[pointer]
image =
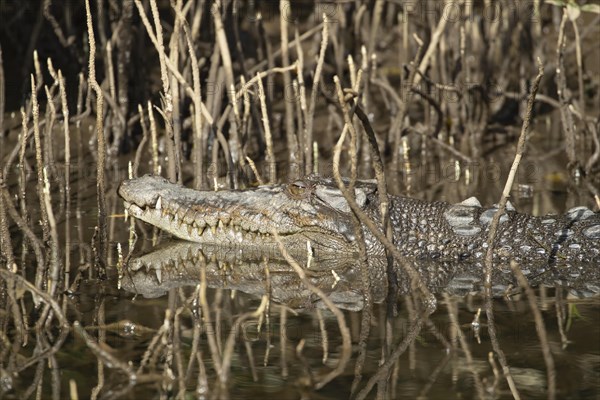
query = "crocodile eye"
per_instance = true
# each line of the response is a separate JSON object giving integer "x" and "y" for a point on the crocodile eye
{"x": 299, "y": 189}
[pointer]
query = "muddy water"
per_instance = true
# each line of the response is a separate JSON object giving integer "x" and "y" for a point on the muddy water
{"x": 129, "y": 324}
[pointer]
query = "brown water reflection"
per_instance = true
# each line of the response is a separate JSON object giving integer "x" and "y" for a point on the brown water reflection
{"x": 266, "y": 362}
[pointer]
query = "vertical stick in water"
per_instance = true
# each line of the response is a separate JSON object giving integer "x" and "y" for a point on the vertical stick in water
{"x": 65, "y": 112}
{"x": 292, "y": 141}
{"x": 100, "y": 183}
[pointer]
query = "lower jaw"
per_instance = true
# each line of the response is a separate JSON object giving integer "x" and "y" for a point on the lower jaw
{"x": 296, "y": 245}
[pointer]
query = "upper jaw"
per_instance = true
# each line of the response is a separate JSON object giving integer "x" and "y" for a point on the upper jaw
{"x": 228, "y": 215}
{"x": 203, "y": 217}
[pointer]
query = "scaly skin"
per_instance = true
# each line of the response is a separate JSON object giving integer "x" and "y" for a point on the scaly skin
{"x": 450, "y": 238}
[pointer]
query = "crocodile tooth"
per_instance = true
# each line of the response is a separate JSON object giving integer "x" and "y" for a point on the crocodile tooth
{"x": 213, "y": 229}
{"x": 226, "y": 218}
{"x": 220, "y": 224}
{"x": 158, "y": 204}
{"x": 178, "y": 215}
{"x": 189, "y": 229}
{"x": 158, "y": 273}
{"x": 190, "y": 216}
{"x": 200, "y": 231}
{"x": 211, "y": 220}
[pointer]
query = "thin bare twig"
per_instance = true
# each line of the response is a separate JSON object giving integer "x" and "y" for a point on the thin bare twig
{"x": 539, "y": 328}
{"x": 101, "y": 143}
{"x": 494, "y": 229}
{"x": 346, "y": 340}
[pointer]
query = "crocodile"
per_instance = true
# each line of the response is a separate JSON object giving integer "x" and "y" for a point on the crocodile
{"x": 441, "y": 239}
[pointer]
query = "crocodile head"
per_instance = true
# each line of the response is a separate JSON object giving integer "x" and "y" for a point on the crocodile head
{"x": 312, "y": 210}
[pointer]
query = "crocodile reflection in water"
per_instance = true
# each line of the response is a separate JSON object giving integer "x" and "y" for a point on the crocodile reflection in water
{"x": 178, "y": 263}
{"x": 442, "y": 238}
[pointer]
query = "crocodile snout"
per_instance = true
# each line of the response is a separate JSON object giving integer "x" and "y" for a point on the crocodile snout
{"x": 143, "y": 191}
